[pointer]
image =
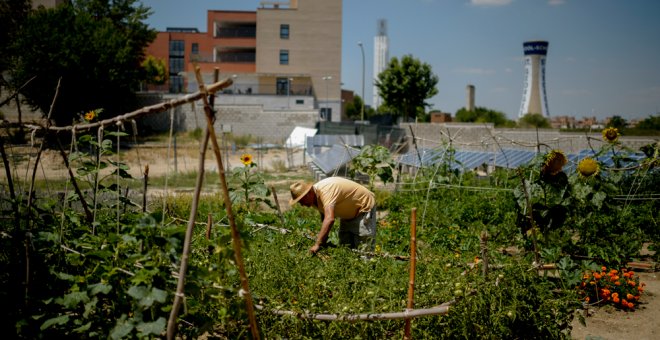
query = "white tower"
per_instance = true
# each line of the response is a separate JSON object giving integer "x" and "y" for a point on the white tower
{"x": 534, "y": 99}
{"x": 381, "y": 58}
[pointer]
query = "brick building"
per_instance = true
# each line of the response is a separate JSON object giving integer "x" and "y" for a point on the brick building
{"x": 282, "y": 49}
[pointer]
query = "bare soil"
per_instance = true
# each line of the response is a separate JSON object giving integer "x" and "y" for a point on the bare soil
{"x": 609, "y": 323}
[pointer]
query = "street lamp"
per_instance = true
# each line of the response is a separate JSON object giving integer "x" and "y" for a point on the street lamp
{"x": 233, "y": 83}
{"x": 325, "y": 79}
{"x": 362, "y": 110}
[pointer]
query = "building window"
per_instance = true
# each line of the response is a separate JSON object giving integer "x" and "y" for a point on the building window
{"x": 284, "y": 31}
{"x": 195, "y": 48}
{"x": 177, "y": 48}
{"x": 284, "y": 57}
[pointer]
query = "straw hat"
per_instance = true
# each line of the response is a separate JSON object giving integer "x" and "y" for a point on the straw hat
{"x": 298, "y": 190}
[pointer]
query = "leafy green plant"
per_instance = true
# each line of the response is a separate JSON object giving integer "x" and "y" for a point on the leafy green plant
{"x": 374, "y": 161}
{"x": 252, "y": 188}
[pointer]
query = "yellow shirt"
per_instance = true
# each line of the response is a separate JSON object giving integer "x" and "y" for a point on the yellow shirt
{"x": 348, "y": 197}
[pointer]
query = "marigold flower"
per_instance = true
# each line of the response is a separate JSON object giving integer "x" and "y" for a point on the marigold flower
{"x": 588, "y": 167}
{"x": 617, "y": 283}
{"x": 629, "y": 296}
{"x": 631, "y": 305}
{"x": 597, "y": 276}
{"x": 615, "y": 299}
{"x": 632, "y": 283}
{"x": 246, "y": 159}
{"x": 554, "y": 162}
{"x": 611, "y": 135}
{"x": 603, "y": 268}
{"x": 615, "y": 295}
{"x": 586, "y": 299}
{"x": 89, "y": 116}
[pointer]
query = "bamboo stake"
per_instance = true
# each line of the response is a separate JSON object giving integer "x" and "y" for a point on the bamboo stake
{"x": 144, "y": 188}
{"x": 10, "y": 182}
{"x": 530, "y": 217}
{"x": 178, "y": 296}
{"x": 277, "y": 203}
{"x": 147, "y": 110}
{"x": 483, "y": 243}
{"x": 407, "y": 314}
{"x": 413, "y": 261}
{"x": 74, "y": 183}
{"x": 236, "y": 238}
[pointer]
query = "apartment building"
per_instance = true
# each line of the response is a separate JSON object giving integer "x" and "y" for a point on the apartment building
{"x": 286, "y": 49}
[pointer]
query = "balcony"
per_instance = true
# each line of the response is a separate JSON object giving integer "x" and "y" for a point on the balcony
{"x": 236, "y": 32}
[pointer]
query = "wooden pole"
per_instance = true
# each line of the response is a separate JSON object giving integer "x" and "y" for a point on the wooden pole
{"x": 277, "y": 203}
{"x": 413, "y": 261}
{"x": 144, "y": 188}
{"x": 236, "y": 238}
{"x": 483, "y": 243}
{"x": 178, "y": 296}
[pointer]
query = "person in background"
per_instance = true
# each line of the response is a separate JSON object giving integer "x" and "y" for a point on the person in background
{"x": 338, "y": 197}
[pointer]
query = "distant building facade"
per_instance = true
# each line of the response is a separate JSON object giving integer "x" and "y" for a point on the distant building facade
{"x": 281, "y": 49}
{"x": 534, "y": 98}
{"x": 440, "y": 117}
{"x": 381, "y": 58}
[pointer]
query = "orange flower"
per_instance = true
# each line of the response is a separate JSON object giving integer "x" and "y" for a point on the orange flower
{"x": 597, "y": 276}
{"x": 629, "y": 296}
{"x": 632, "y": 283}
{"x": 586, "y": 299}
{"x": 630, "y": 305}
{"x": 246, "y": 159}
{"x": 618, "y": 283}
{"x": 603, "y": 268}
{"x": 89, "y": 116}
{"x": 615, "y": 299}
{"x": 615, "y": 296}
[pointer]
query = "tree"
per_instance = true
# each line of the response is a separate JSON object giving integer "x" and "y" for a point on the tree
{"x": 650, "y": 123}
{"x": 155, "y": 70}
{"x": 534, "y": 120}
{"x": 94, "y": 46}
{"x": 354, "y": 109}
{"x": 405, "y": 85}
{"x": 617, "y": 122}
{"x": 12, "y": 15}
{"x": 483, "y": 115}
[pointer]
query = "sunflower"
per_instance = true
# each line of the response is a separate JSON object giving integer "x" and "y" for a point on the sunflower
{"x": 246, "y": 159}
{"x": 611, "y": 135}
{"x": 588, "y": 167}
{"x": 554, "y": 162}
{"x": 89, "y": 116}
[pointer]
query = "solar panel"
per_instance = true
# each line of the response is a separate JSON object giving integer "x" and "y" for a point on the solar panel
{"x": 335, "y": 157}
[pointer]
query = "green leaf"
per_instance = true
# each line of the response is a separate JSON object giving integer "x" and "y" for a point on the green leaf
{"x": 122, "y": 328}
{"x": 598, "y": 199}
{"x": 152, "y": 328}
{"x": 84, "y": 328}
{"x": 138, "y": 292}
{"x": 73, "y": 299}
{"x": 97, "y": 288}
{"x": 116, "y": 133}
{"x": 156, "y": 295}
{"x": 60, "y": 320}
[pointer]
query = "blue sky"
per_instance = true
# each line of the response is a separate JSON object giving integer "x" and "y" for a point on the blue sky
{"x": 603, "y": 57}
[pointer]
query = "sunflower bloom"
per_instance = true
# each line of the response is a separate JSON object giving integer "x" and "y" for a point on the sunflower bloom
{"x": 246, "y": 159}
{"x": 611, "y": 135}
{"x": 89, "y": 116}
{"x": 588, "y": 167}
{"x": 554, "y": 162}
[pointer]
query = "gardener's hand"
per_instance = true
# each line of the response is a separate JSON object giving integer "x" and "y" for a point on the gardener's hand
{"x": 314, "y": 249}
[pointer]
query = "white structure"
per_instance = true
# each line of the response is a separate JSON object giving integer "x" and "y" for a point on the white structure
{"x": 381, "y": 58}
{"x": 534, "y": 99}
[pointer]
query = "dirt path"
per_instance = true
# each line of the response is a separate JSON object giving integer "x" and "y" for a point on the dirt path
{"x": 641, "y": 324}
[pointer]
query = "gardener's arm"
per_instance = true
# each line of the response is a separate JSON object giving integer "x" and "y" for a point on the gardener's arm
{"x": 326, "y": 225}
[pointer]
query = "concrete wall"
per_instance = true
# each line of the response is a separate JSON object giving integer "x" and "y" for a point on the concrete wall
{"x": 484, "y": 137}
